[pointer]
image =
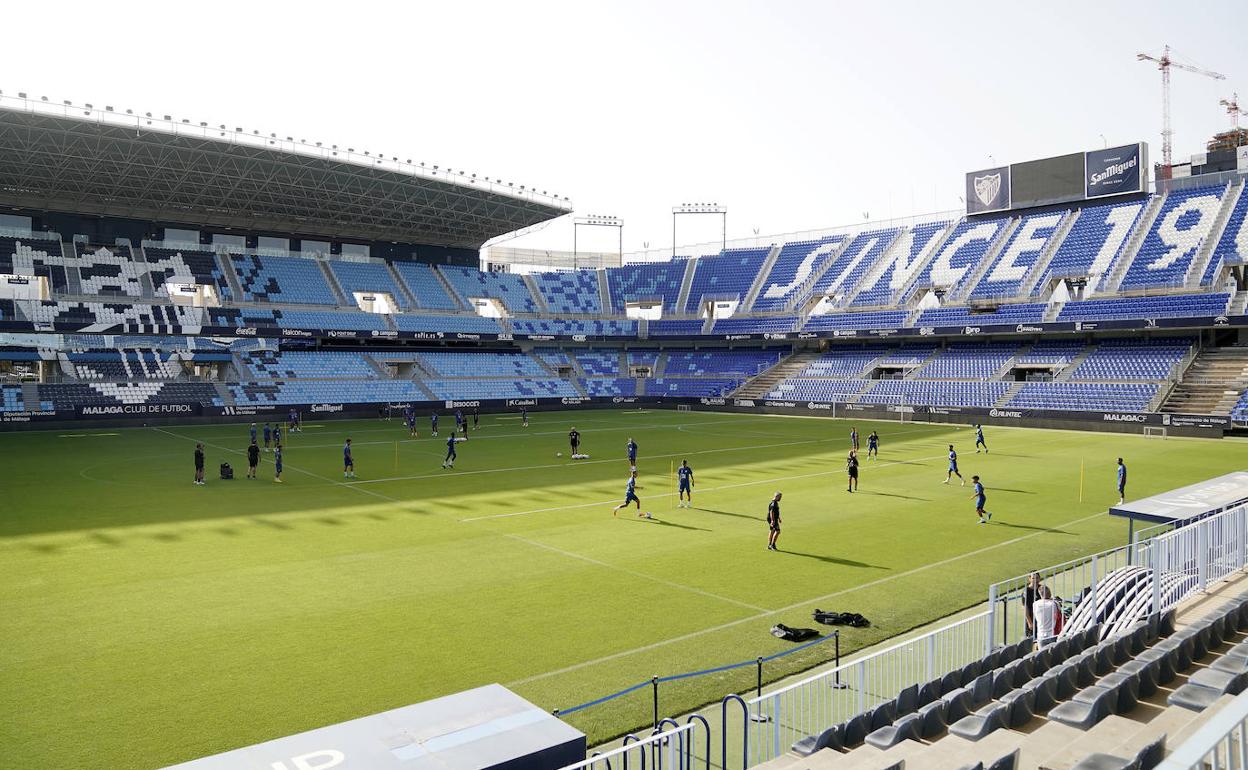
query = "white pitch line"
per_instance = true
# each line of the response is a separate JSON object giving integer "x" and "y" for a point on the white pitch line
{"x": 789, "y": 608}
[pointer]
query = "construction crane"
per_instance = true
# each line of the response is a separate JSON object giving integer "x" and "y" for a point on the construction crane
{"x": 1232, "y": 109}
{"x": 1164, "y": 63}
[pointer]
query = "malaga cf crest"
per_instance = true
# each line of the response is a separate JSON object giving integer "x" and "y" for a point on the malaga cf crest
{"x": 987, "y": 188}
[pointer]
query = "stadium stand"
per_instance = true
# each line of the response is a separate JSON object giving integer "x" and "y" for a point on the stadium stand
{"x": 186, "y": 267}
{"x": 964, "y": 360}
{"x": 509, "y": 289}
{"x": 1085, "y": 396}
{"x": 1003, "y": 314}
{"x": 482, "y": 365}
{"x": 1012, "y": 266}
{"x": 647, "y": 281}
{"x": 289, "y": 365}
{"x": 966, "y": 245}
{"x": 457, "y": 324}
{"x": 675, "y": 328}
{"x": 572, "y": 326}
{"x": 1161, "y": 306}
{"x": 425, "y": 286}
{"x": 910, "y": 250}
{"x": 108, "y": 270}
{"x": 727, "y": 276}
{"x": 570, "y": 293}
{"x": 798, "y": 263}
{"x": 1131, "y": 359}
{"x": 367, "y": 277}
{"x": 883, "y": 319}
{"x": 1093, "y": 243}
{"x": 859, "y": 257}
{"x": 292, "y": 280}
{"x": 1180, "y": 229}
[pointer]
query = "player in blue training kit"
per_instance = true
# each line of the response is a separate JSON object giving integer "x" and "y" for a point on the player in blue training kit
{"x": 979, "y": 439}
{"x": 268, "y": 436}
{"x": 253, "y": 433}
{"x": 953, "y": 467}
{"x": 1122, "y": 481}
{"x": 524, "y": 417}
{"x": 277, "y": 463}
{"x": 873, "y": 445}
{"x": 980, "y": 499}
{"x": 632, "y": 454}
{"x": 630, "y": 496}
{"x": 433, "y": 421}
{"x": 348, "y": 462}
{"x": 449, "y": 462}
{"x": 684, "y": 479}
{"x": 277, "y": 434}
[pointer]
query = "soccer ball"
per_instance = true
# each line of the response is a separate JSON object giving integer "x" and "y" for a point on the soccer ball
{"x": 558, "y": 454}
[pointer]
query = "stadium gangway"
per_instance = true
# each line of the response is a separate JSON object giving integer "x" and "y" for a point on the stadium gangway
{"x": 757, "y": 729}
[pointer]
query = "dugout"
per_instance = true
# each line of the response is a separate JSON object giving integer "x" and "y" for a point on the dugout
{"x": 1182, "y": 506}
{"x": 489, "y": 728}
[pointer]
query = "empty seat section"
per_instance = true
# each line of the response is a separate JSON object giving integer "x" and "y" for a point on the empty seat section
{"x": 426, "y": 287}
{"x": 883, "y": 319}
{"x": 963, "y": 316}
{"x": 1016, "y": 260}
{"x": 1185, "y": 220}
{"x": 647, "y": 281}
{"x": 966, "y": 360}
{"x": 568, "y": 327}
{"x": 1085, "y": 396}
{"x": 289, "y": 365}
{"x": 794, "y": 269}
{"x": 570, "y": 292}
{"x": 912, "y": 245}
{"x": 1133, "y": 359}
{"x": 768, "y": 325}
{"x": 675, "y": 328}
{"x": 366, "y": 278}
{"x": 291, "y": 280}
{"x": 1134, "y": 308}
{"x": 728, "y": 275}
{"x": 958, "y": 256}
{"x": 482, "y": 365}
{"x": 108, "y": 270}
{"x": 1093, "y": 243}
{"x": 185, "y": 266}
{"x": 936, "y": 393}
{"x": 335, "y": 391}
{"x": 507, "y": 288}
{"x": 457, "y": 324}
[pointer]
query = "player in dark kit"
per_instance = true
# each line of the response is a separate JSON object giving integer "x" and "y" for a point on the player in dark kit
{"x": 851, "y": 468}
{"x": 953, "y": 467}
{"x": 773, "y": 522}
{"x": 433, "y": 421}
{"x": 277, "y": 463}
{"x": 449, "y": 462}
{"x": 524, "y": 417}
{"x": 684, "y": 477}
{"x": 1122, "y": 481}
{"x": 348, "y": 462}
{"x": 574, "y": 438}
{"x": 476, "y": 418}
{"x": 464, "y": 426}
{"x": 979, "y": 439}
{"x": 980, "y": 499}
{"x": 632, "y": 454}
{"x": 268, "y": 436}
{"x": 199, "y": 464}
{"x": 253, "y": 459}
{"x": 853, "y": 439}
{"x": 873, "y": 445}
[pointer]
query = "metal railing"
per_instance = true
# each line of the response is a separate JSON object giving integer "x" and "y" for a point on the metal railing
{"x": 1222, "y": 742}
{"x": 671, "y": 746}
{"x": 763, "y": 727}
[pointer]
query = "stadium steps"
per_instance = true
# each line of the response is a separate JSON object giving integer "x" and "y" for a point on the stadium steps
{"x": 660, "y": 365}
{"x": 760, "y": 280}
{"x": 1212, "y": 384}
{"x": 914, "y": 372}
{"x": 643, "y": 328}
{"x": 1053, "y": 311}
{"x": 686, "y": 282}
{"x": 921, "y": 262}
{"x": 226, "y": 265}
{"x": 604, "y": 292}
{"x": 73, "y": 280}
{"x": 538, "y": 299}
{"x": 1041, "y": 266}
{"x": 974, "y": 275}
{"x": 408, "y": 297}
{"x": 1196, "y": 270}
{"x": 334, "y": 286}
{"x": 873, "y": 273}
{"x": 1113, "y": 279}
{"x": 460, "y": 303}
{"x": 1011, "y": 362}
{"x": 1008, "y": 395}
{"x": 30, "y": 395}
{"x": 139, "y": 257}
{"x": 1065, "y": 374}
{"x": 1238, "y": 304}
{"x": 376, "y": 366}
{"x": 708, "y": 324}
{"x": 429, "y": 394}
{"x": 760, "y": 385}
{"x": 223, "y": 392}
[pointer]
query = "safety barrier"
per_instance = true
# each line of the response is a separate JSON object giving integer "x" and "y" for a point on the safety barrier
{"x": 671, "y": 746}
{"x": 763, "y": 727}
{"x": 1222, "y": 742}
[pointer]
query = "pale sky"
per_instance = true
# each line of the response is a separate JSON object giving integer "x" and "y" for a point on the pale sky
{"x": 795, "y": 115}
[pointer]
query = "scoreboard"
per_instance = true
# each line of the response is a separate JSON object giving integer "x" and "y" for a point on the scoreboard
{"x": 1063, "y": 179}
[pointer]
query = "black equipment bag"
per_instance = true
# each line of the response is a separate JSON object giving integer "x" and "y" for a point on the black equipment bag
{"x": 226, "y": 471}
{"x": 781, "y": 631}
{"x": 851, "y": 619}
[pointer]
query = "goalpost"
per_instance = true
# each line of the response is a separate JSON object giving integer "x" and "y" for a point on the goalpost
{"x": 1154, "y": 431}
{"x": 895, "y": 405}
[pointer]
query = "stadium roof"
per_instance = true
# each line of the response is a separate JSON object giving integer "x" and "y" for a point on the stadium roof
{"x": 58, "y": 157}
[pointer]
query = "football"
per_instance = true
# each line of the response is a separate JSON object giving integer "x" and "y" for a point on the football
{"x": 558, "y": 454}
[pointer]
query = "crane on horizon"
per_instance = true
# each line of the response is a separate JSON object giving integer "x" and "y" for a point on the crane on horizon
{"x": 1164, "y": 63}
{"x": 1232, "y": 109}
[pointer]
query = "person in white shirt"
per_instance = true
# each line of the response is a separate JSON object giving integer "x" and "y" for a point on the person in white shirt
{"x": 1045, "y": 613}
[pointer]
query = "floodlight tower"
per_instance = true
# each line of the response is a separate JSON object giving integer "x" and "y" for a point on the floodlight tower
{"x": 1164, "y": 63}
{"x": 702, "y": 208}
{"x": 598, "y": 220}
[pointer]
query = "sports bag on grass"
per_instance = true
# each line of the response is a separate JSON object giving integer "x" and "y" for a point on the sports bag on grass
{"x": 852, "y": 619}
{"x": 781, "y": 631}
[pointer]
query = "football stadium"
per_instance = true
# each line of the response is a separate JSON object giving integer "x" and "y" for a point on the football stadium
{"x": 307, "y": 465}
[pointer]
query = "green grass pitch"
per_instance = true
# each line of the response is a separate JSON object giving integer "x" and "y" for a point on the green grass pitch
{"x": 148, "y": 621}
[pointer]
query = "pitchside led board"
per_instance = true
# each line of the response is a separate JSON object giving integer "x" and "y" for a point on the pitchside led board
{"x": 1063, "y": 179}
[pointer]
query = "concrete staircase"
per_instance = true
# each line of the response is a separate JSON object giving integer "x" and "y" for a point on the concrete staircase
{"x": 1009, "y": 394}
{"x": 223, "y": 391}
{"x": 139, "y": 257}
{"x": 1052, "y": 311}
{"x": 707, "y": 324}
{"x": 1109, "y": 286}
{"x": 1041, "y": 266}
{"x": 921, "y": 262}
{"x": 604, "y": 291}
{"x": 406, "y": 293}
{"x": 682, "y": 299}
{"x": 1064, "y": 374}
{"x": 877, "y": 270}
{"x": 538, "y": 299}
{"x": 336, "y": 287}
{"x": 1196, "y": 270}
{"x": 1212, "y": 384}
{"x": 226, "y": 265}
{"x": 1239, "y": 303}
{"x": 760, "y": 280}
{"x": 73, "y": 280}
{"x": 450, "y": 290}
{"x": 762, "y": 384}
{"x": 913, "y": 373}
{"x": 30, "y": 395}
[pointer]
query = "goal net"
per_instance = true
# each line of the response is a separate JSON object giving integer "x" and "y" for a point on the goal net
{"x": 1154, "y": 431}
